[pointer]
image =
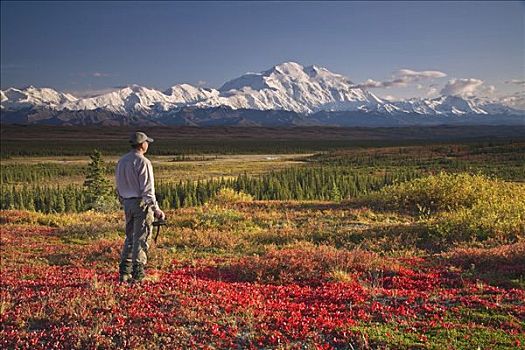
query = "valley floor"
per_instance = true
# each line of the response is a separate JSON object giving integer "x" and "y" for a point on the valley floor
{"x": 399, "y": 246}
{"x": 218, "y": 281}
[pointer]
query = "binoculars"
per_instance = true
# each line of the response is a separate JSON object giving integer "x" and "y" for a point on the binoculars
{"x": 158, "y": 223}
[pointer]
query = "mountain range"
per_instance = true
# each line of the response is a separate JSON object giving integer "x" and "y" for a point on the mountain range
{"x": 286, "y": 94}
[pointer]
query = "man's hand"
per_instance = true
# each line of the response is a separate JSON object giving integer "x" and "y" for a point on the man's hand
{"x": 159, "y": 214}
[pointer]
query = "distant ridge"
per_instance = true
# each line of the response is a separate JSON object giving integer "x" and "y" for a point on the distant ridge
{"x": 286, "y": 94}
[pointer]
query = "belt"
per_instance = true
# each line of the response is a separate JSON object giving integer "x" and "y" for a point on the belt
{"x": 134, "y": 198}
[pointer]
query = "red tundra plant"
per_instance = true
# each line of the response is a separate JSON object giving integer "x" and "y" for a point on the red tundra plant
{"x": 16, "y": 216}
{"x": 201, "y": 306}
{"x": 308, "y": 264}
{"x": 64, "y": 307}
{"x": 508, "y": 259}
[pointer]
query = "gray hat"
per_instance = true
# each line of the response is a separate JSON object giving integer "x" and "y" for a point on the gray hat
{"x": 139, "y": 137}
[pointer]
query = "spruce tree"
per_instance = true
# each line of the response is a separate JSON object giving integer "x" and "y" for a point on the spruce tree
{"x": 176, "y": 203}
{"x": 335, "y": 194}
{"x": 7, "y": 202}
{"x": 165, "y": 203}
{"x": 96, "y": 187}
{"x": 60, "y": 204}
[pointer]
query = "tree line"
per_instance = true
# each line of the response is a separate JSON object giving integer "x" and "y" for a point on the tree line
{"x": 27, "y": 173}
{"x": 316, "y": 183}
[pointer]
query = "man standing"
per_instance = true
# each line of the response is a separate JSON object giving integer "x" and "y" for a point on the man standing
{"x": 136, "y": 190}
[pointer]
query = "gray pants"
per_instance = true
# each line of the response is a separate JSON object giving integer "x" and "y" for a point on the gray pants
{"x": 139, "y": 219}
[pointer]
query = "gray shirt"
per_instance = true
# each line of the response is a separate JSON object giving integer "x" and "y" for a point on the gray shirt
{"x": 134, "y": 177}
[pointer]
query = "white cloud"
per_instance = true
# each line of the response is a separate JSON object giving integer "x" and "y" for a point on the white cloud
{"x": 402, "y": 78}
{"x": 516, "y": 100}
{"x": 461, "y": 87}
{"x": 516, "y": 82}
{"x": 416, "y": 76}
{"x": 431, "y": 91}
{"x": 390, "y": 98}
{"x": 489, "y": 89}
{"x": 93, "y": 74}
{"x": 369, "y": 83}
{"x": 100, "y": 75}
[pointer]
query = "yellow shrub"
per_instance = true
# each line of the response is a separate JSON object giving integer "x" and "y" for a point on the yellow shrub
{"x": 462, "y": 207}
{"x": 446, "y": 191}
{"x": 229, "y": 196}
{"x": 501, "y": 218}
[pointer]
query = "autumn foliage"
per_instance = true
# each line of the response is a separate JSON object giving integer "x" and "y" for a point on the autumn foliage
{"x": 59, "y": 293}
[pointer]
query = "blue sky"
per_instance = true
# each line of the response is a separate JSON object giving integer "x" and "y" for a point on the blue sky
{"x": 85, "y": 47}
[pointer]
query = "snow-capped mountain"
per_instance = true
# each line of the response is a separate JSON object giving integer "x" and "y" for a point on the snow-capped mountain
{"x": 290, "y": 86}
{"x": 453, "y": 106}
{"x": 184, "y": 94}
{"x": 34, "y": 97}
{"x": 129, "y": 100}
{"x": 140, "y": 100}
{"x": 285, "y": 87}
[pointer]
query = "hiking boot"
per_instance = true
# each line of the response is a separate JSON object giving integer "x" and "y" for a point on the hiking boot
{"x": 125, "y": 268}
{"x": 125, "y": 278}
{"x": 138, "y": 272}
{"x": 135, "y": 282}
